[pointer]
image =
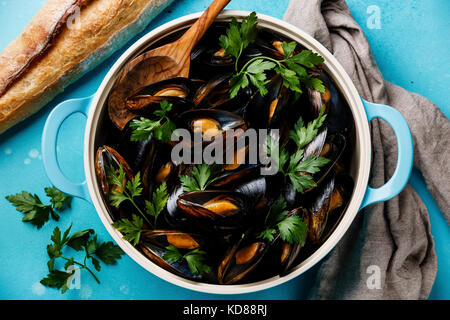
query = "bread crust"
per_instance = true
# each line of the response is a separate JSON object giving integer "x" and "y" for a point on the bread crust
{"x": 34, "y": 69}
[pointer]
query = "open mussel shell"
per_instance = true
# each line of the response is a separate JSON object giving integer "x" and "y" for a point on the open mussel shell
{"x": 290, "y": 251}
{"x": 215, "y": 94}
{"x": 333, "y": 150}
{"x": 242, "y": 258}
{"x": 109, "y": 157}
{"x": 269, "y": 44}
{"x": 137, "y": 153}
{"x": 213, "y": 204}
{"x": 238, "y": 166}
{"x": 154, "y": 245}
{"x": 319, "y": 209}
{"x": 138, "y": 73}
{"x": 209, "y": 123}
{"x": 267, "y": 111}
{"x": 255, "y": 190}
{"x": 174, "y": 216}
{"x": 339, "y": 118}
{"x": 339, "y": 201}
{"x": 211, "y": 210}
{"x": 178, "y": 91}
{"x": 159, "y": 169}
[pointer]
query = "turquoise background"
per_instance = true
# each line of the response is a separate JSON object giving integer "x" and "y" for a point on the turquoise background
{"x": 411, "y": 48}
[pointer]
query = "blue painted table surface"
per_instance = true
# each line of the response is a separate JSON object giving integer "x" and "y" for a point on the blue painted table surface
{"x": 412, "y": 50}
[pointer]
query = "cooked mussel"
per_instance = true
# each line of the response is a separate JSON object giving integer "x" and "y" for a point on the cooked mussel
{"x": 154, "y": 245}
{"x": 209, "y": 123}
{"x": 290, "y": 251}
{"x": 267, "y": 111}
{"x": 213, "y": 204}
{"x": 319, "y": 209}
{"x": 211, "y": 210}
{"x": 108, "y": 157}
{"x": 177, "y": 91}
{"x": 215, "y": 94}
{"x": 242, "y": 258}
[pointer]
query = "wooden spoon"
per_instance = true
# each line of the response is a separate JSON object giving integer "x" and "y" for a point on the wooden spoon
{"x": 169, "y": 61}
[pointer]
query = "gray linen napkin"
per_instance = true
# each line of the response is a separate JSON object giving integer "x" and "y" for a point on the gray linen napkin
{"x": 394, "y": 237}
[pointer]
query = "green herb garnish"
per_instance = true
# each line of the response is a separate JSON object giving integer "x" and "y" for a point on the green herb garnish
{"x": 35, "y": 211}
{"x": 292, "y": 229}
{"x": 161, "y": 128}
{"x": 194, "y": 258}
{"x": 302, "y": 135}
{"x": 127, "y": 191}
{"x": 107, "y": 252}
{"x": 295, "y": 167}
{"x": 131, "y": 229}
{"x": 200, "y": 180}
{"x": 292, "y": 68}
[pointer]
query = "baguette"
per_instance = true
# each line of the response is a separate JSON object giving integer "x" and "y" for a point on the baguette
{"x": 48, "y": 55}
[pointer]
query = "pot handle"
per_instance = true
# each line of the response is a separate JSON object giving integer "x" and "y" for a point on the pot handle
{"x": 405, "y": 153}
{"x": 49, "y": 138}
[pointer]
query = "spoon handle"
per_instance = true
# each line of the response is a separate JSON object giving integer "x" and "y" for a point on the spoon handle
{"x": 198, "y": 29}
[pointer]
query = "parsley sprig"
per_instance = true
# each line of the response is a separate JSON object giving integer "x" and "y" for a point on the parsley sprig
{"x": 296, "y": 167}
{"x": 194, "y": 258}
{"x": 200, "y": 180}
{"x": 107, "y": 252}
{"x": 291, "y": 228}
{"x": 292, "y": 68}
{"x": 35, "y": 211}
{"x": 162, "y": 127}
{"x": 128, "y": 191}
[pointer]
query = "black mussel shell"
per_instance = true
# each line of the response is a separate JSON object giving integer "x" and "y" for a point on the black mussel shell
{"x": 290, "y": 251}
{"x": 154, "y": 245}
{"x": 216, "y": 211}
{"x": 242, "y": 257}
{"x": 269, "y": 110}
{"x": 319, "y": 209}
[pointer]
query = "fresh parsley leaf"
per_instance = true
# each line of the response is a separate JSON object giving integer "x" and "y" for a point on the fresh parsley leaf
{"x": 238, "y": 82}
{"x": 268, "y": 234}
{"x": 58, "y": 279}
{"x": 79, "y": 239}
{"x": 311, "y": 164}
{"x": 200, "y": 180}
{"x": 159, "y": 201}
{"x": 194, "y": 258}
{"x": 290, "y": 79}
{"x": 142, "y": 128}
{"x": 292, "y": 68}
{"x": 59, "y": 200}
{"x": 302, "y": 135}
{"x": 131, "y": 229}
{"x": 306, "y": 58}
{"x": 162, "y": 127}
{"x": 239, "y": 35}
{"x": 313, "y": 83}
{"x": 277, "y": 212}
{"x": 126, "y": 191}
{"x": 35, "y": 211}
{"x": 293, "y": 229}
{"x": 301, "y": 182}
{"x": 107, "y": 252}
{"x": 172, "y": 254}
{"x": 300, "y": 170}
{"x": 288, "y": 48}
{"x": 134, "y": 186}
